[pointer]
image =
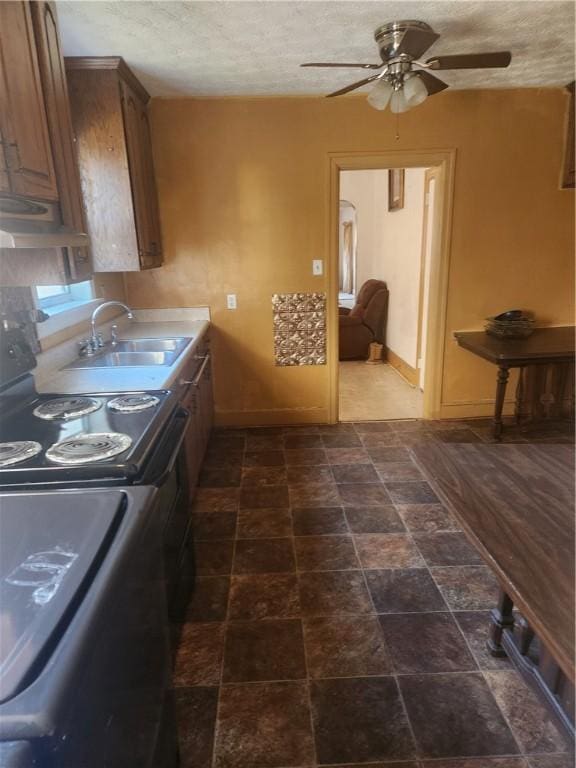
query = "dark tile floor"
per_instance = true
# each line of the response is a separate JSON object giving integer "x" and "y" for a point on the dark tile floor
{"x": 340, "y": 614}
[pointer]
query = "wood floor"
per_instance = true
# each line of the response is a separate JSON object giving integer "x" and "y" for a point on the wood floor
{"x": 340, "y": 614}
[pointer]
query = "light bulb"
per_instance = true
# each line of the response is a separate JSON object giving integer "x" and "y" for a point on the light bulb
{"x": 380, "y": 94}
{"x": 398, "y": 102}
{"x": 415, "y": 91}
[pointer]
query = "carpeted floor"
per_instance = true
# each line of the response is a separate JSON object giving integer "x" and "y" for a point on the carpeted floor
{"x": 375, "y": 392}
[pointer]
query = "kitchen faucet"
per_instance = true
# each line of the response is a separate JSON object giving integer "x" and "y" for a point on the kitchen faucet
{"x": 95, "y": 340}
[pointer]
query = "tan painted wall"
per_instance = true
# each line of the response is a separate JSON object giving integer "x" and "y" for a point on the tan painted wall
{"x": 243, "y": 190}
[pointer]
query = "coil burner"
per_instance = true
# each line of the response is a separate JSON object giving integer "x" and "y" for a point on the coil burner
{"x": 66, "y": 408}
{"x": 14, "y": 453}
{"x": 132, "y": 403}
{"x": 86, "y": 449}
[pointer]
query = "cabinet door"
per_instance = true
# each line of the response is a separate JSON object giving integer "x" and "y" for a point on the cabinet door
{"x": 53, "y": 76}
{"x": 206, "y": 406}
{"x": 192, "y": 446}
{"x": 22, "y": 110}
{"x": 155, "y": 238}
{"x": 4, "y": 178}
{"x": 141, "y": 178}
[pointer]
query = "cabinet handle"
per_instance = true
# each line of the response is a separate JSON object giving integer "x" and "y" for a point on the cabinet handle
{"x": 15, "y": 151}
{"x": 5, "y": 167}
{"x": 196, "y": 380}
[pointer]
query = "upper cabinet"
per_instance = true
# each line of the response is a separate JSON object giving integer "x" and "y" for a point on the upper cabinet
{"x": 110, "y": 122}
{"x": 27, "y": 154}
{"x": 568, "y": 173}
{"x": 55, "y": 87}
{"x": 37, "y": 153}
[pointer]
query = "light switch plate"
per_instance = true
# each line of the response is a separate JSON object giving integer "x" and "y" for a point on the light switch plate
{"x": 231, "y": 301}
{"x": 317, "y": 267}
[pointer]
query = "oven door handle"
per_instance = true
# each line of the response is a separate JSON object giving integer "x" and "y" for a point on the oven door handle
{"x": 172, "y": 442}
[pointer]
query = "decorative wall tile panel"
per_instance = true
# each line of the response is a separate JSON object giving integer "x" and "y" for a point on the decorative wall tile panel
{"x": 299, "y": 328}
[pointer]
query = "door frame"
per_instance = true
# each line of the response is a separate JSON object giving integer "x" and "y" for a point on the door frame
{"x": 445, "y": 161}
{"x": 428, "y": 226}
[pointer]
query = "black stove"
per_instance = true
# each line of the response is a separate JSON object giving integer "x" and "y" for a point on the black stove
{"x": 82, "y": 560}
{"x": 89, "y": 439}
{"x": 95, "y": 441}
{"x": 65, "y": 440}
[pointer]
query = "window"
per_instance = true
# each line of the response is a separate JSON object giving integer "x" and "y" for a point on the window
{"x": 49, "y": 295}
{"x": 56, "y": 298}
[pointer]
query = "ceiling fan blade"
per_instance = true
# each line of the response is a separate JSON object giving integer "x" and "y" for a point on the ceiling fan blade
{"x": 361, "y": 66}
{"x": 416, "y": 41}
{"x": 353, "y": 86}
{"x": 471, "y": 61}
{"x": 433, "y": 84}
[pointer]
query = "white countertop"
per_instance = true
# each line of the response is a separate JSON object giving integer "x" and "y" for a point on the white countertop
{"x": 52, "y": 379}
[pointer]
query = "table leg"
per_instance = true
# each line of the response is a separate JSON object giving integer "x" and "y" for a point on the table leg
{"x": 519, "y": 396}
{"x": 525, "y": 636}
{"x": 503, "y": 374}
{"x": 501, "y": 618}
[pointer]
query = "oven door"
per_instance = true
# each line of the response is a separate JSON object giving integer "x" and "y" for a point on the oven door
{"x": 96, "y": 694}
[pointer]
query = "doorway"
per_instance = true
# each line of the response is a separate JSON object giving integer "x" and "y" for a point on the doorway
{"x": 404, "y": 379}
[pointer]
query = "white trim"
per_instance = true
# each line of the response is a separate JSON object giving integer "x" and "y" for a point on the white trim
{"x": 445, "y": 160}
{"x": 65, "y": 316}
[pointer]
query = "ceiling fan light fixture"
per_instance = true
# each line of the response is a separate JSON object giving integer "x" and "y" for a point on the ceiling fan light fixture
{"x": 415, "y": 91}
{"x": 380, "y": 94}
{"x": 398, "y": 101}
{"x": 399, "y": 85}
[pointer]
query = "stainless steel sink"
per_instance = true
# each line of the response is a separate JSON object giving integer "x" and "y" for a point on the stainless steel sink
{"x": 134, "y": 353}
{"x": 151, "y": 345}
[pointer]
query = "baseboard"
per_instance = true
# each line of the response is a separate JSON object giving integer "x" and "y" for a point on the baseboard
{"x": 271, "y": 418}
{"x": 473, "y": 409}
{"x": 296, "y": 416}
{"x": 405, "y": 370}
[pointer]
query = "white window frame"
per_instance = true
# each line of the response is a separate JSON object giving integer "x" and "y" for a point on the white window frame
{"x": 67, "y": 314}
{"x": 62, "y": 296}
{"x": 66, "y": 297}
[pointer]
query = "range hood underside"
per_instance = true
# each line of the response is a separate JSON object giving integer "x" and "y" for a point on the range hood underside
{"x": 16, "y": 233}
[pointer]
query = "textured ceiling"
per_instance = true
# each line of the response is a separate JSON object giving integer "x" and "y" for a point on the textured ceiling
{"x": 237, "y": 48}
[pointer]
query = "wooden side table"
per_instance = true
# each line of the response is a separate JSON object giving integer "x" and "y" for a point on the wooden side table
{"x": 544, "y": 346}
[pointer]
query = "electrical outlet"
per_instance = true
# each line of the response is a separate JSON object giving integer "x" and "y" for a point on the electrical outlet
{"x": 231, "y": 301}
{"x": 317, "y": 267}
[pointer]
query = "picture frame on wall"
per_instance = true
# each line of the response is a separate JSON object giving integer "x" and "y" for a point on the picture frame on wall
{"x": 395, "y": 189}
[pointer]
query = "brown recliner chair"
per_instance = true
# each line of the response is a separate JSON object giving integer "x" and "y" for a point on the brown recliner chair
{"x": 365, "y": 322}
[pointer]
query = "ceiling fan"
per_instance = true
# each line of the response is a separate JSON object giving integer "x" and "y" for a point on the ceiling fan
{"x": 404, "y": 81}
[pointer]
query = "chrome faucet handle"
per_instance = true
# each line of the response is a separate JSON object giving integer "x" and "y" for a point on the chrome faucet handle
{"x": 85, "y": 348}
{"x": 114, "y": 335}
{"x": 99, "y": 340}
{"x": 96, "y": 343}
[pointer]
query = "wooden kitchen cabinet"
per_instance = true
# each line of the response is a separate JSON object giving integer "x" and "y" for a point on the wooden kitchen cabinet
{"x": 568, "y": 170}
{"x": 4, "y": 178}
{"x": 55, "y": 87}
{"x": 197, "y": 398}
{"x": 37, "y": 154}
{"x": 23, "y": 122}
{"x": 110, "y": 120}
